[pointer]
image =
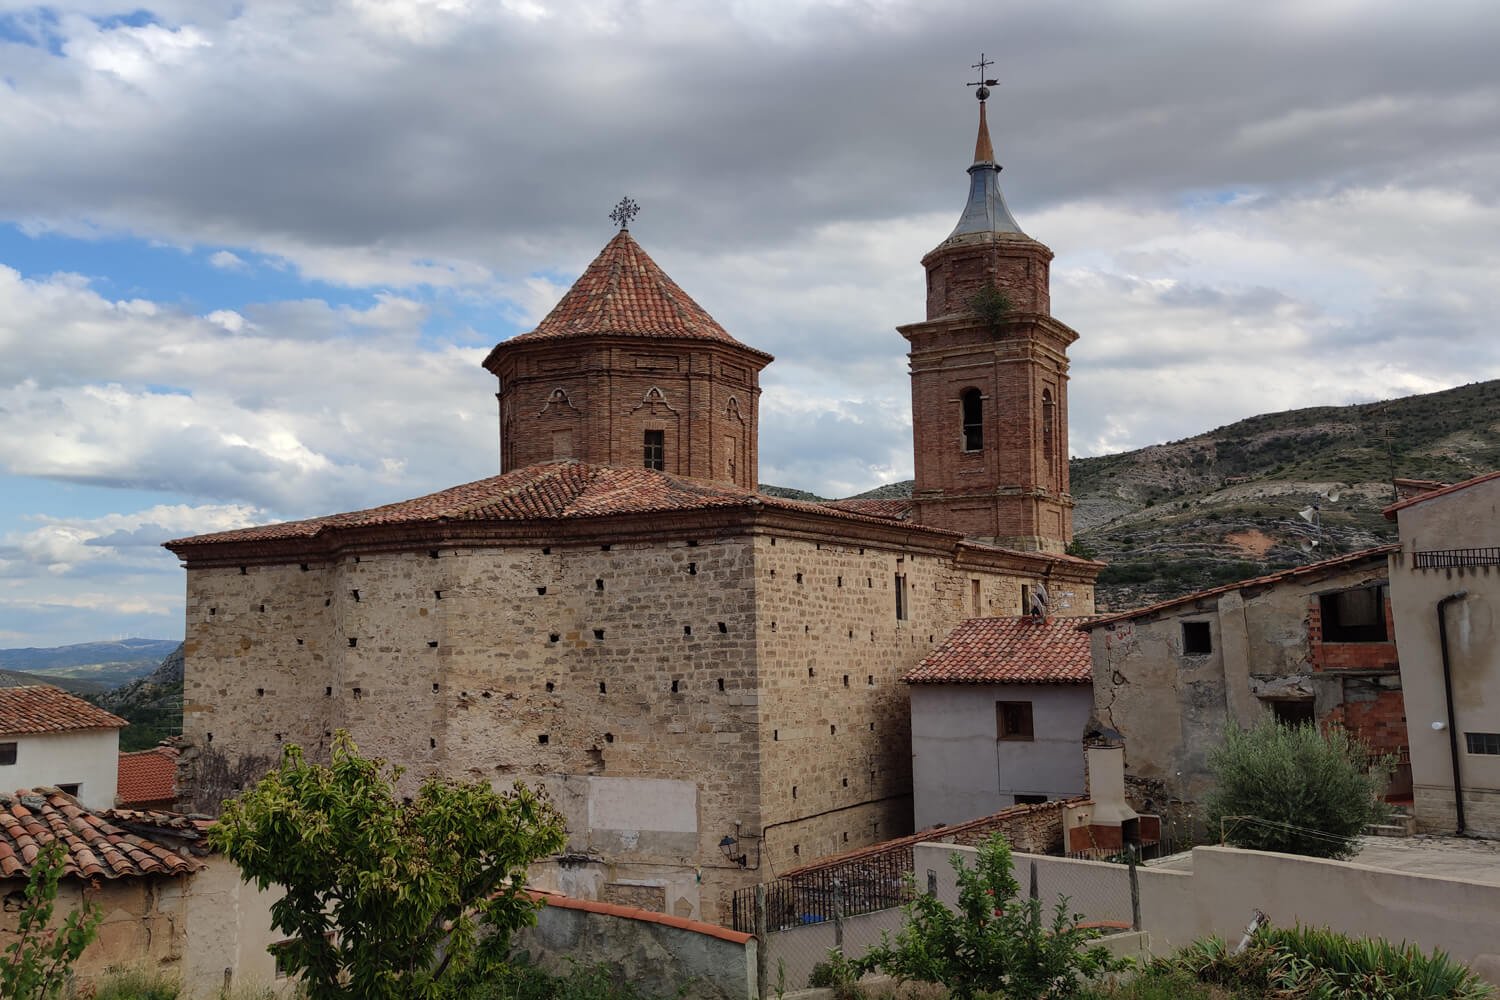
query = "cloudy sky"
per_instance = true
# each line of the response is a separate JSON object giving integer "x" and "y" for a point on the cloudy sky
{"x": 251, "y": 253}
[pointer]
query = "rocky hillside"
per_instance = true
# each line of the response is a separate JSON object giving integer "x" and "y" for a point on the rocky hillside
{"x": 1224, "y": 505}
{"x": 151, "y": 704}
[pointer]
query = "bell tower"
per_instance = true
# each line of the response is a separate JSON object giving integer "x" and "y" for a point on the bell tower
{"x": 989, "y": 376}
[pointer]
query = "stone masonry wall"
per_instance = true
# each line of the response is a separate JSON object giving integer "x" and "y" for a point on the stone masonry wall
{"x": 835, "y": 717}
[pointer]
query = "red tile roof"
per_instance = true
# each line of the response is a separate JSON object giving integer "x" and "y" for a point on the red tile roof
{"x": 1390, "y": 512}
{"x": 624, "y": 293}
{"x": 96, "y": 847}
{"x": 1310, "y": 569}
{"x": 1009, "y": 651}
{"x": 547, "y": 491}
{"x": 896, "y": 509}
{"x": 147, "y": 776}
{"x": 41, "y": 708}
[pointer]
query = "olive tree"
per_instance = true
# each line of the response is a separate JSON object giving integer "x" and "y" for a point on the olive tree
{"x": 387, "y": 897}
{"x": 1294, "y": 789}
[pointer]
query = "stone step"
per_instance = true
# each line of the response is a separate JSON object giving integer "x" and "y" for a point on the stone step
{"x": 1400, "y": 825}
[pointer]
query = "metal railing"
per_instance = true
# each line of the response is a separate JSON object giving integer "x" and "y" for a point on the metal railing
{"x": 860, "y": 886}
{"x": 1452, "y": 558}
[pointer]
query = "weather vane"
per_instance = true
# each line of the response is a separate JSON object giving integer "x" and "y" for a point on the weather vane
{"x": 624, "y": 212}
{"x": 984, "y": 85}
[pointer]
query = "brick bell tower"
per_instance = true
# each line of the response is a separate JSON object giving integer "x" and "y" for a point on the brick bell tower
{"x": 628, "y": 370}
{"x": 989, "y": 377}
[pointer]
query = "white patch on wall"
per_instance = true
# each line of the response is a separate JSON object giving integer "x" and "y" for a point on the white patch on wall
{"x": 657, "y": 804}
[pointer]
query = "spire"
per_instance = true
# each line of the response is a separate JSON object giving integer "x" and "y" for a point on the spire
{"x": 984, "y": 151}
{"x": 986, "y": 212}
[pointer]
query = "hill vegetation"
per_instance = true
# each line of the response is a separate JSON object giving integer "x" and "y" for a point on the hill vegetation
{"x": 1225, "y": 505}
{"x": 100, "y": 664}
{"x": 151, "y": 704}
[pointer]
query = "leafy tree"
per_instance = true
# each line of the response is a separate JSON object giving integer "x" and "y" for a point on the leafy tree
{"x": 39, "y": 962}
{"x": 994, "y": 941}
{"x": 1294, "y": 789}
{"x": 385, "y": 896}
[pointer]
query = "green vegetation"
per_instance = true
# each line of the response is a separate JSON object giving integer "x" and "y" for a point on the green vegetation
{"x": 385, "y": 896}
{"x": 151, "y": 704}
{"x": 995, "y": 939}
{"x": 1294, "y": 789}
{"x": 522, "y": 981}
{"x": 39, "y": 962}
{"x": 990, "y": 305}
{"x": 138, "y": 984}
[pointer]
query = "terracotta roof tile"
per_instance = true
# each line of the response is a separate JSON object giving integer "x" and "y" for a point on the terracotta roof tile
{"x": 896, "y": 509}
{"x": 42, "y": 708}
{"x": 562, "y": 902}
{"x": 1390, "y": 512}
{"x": 1009, "y": 651}
{"x": 147, "y": 776}
{"x": 1309, "y": 569}
{"x": 96, "y": 848}
{"x": 624, "y": 293}
{"x": 547, "y": 491}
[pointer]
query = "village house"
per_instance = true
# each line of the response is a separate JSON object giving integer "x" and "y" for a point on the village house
{"x": 706, "y": 679}
{"x": 1309, "y": 644}
{"x": 167, "y": 903}
{"x": 1445, "y": 596}
{"x": 998, "y": 713}
{"x": 50, "y": 737}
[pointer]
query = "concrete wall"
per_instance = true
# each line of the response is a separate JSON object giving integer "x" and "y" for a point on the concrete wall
{"x": 960, "y": 770}
{"x": 1226, "y": 885}
{"x": 88, "y": 758}
{"x": 1466, "y": 519}
{"x": 228, "y": 932}
{"x": 656, "y": 954}
{"x": 1173, "y": 706}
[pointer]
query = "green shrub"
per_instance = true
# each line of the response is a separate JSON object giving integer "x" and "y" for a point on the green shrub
{"x": 138, "y": 984}
{"x": 39, "y": 960}
{"x": 1293, "y": 789}
{"x": 1334, "y": 966}
{"x": 995, "y": 940}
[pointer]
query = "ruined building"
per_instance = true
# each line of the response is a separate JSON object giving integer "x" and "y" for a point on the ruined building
{"x": 704, "y": 678}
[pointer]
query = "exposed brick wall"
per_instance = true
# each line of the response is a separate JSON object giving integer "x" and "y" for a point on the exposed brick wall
{"x": 1373, "y": 711}
{"x": 1349, "y": 655}
{"x": 594, "y": 399}
{"x": 1014, "y": 490}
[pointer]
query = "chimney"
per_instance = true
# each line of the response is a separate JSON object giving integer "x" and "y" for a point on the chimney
{"x": 1107, "y": 786}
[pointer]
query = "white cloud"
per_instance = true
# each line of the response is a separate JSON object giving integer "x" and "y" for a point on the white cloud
{"x": 224, "y": 260}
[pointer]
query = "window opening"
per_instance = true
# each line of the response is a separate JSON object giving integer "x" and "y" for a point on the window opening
{"x": 1354, "y": 615}
{"x": 1197, "y": 639}
{"x": 1026, "y": 799}
{"x": 1013, "y": 720}
{"x": 1295, "y": 712}
{"x": 656, "y": 450}
{"x": 972, "y": 404}
{"x": 1485, "y": 743}
{"x": 1049, "y": 409}
{"x": 901, "y": 597}
{"x": 7, "y": 753}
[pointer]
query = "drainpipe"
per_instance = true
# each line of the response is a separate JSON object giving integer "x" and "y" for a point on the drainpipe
{"x": 1458, "y": 788}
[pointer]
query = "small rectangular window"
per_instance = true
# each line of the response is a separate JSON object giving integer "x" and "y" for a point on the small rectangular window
{"x": 1013, "y": 720}
{"x": 901, "y": 597}
{"x": 1030, "y": 800}
{"x": 1298, "y": 712}
{"x": 974, "y": 597}
{"x": 1354, "y": 615}
{"x": 1197, "y": 639}
{"x": 7, "y": 753}
{"x": 1486, "y": 743}
{"x": 656, "y": 450}
{"x": 1025, "y": 599}
{"x": 71, "y": 789}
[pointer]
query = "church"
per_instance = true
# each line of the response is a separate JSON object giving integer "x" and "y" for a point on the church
{"x": 704, "y": 678}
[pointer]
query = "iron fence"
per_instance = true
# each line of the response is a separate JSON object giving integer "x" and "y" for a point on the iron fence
{"x": 859, "y": 886}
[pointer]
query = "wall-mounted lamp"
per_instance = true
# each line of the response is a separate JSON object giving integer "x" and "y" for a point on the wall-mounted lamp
{"x": 730, "y": 847}
{"x": 1439, "y": 726}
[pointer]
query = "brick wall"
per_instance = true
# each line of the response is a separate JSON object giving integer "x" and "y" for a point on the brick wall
{"x": 595, "y": 399}
{"x": 1349, "y": 655}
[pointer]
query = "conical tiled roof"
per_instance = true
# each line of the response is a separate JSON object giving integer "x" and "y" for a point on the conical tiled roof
{"x": 624, "y": 293}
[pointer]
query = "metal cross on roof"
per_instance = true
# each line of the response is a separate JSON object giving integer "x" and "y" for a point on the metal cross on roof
{"x": 624, "y": 212}
{"x": 984, "y": 85}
